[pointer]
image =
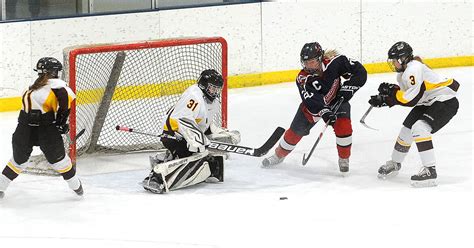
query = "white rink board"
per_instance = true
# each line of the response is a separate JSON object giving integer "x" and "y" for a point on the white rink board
{"x": 262, "y": 37}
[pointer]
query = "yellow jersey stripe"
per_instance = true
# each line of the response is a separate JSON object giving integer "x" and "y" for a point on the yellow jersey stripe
{"x": 432, "y": 86}
{"x": 51, "y": 103}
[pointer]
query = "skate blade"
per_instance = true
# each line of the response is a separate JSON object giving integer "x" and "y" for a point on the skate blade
{"x": 387, "y": 176}
{"x": 344, "y": 173}
{"x": 424, "y": 183}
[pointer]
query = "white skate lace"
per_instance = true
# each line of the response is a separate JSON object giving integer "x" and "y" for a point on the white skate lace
{"x": 424, "y": 171}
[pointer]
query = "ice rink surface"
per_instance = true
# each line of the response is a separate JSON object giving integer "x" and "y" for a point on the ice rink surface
{"x": 323, "y": 208}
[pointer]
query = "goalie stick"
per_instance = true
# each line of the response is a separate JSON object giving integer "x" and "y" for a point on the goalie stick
{"x": 224, "y": 147}
{"x": 336, "y": 107}
{"x": 362, "y": 120}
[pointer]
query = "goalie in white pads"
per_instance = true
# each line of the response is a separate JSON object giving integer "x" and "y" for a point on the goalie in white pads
{"x": 434, "y": 101}
{"x": 189, "y": 126}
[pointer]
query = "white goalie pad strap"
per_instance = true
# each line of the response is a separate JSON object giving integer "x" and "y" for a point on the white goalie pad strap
{"x": 195, "y": 138}
{"x": 346, "y": 141}
{"x": 195, "y": 174}
{"x": 63, "y": 166}
{"x": 170, "y": 166}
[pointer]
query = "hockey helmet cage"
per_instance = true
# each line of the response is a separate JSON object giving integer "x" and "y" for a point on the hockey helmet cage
{"x": 48, "y": 65}
{"x": 402, "y": 52}
{"x": 211, "y": 83}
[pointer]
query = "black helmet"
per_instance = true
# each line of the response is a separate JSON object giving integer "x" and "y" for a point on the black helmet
{"x": 402, "y": 52}
{"x": 48, "y": 65}
{"x": 310, "y": 51}
{"x": 211, "y": 83}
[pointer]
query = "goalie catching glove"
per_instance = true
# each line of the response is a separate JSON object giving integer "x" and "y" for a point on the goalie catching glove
{"x": 223, "y": 135}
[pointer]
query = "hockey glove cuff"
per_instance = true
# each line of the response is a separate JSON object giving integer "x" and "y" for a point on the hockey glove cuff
{"x": 347, "y": 91}
{"x": 63, "y": 129}
{"x": 328, "y": 116}
{"x": 387, "y": 89}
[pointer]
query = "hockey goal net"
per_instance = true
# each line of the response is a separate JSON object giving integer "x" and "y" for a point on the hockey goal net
{"x": 134, "y": 85}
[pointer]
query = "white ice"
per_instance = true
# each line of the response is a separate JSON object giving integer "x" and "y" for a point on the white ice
{"x": 323, "y": 208}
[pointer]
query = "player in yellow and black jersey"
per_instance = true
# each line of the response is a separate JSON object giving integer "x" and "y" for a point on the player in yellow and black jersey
{"x": 434, "y": 100}
{"x": 42, "y": 120}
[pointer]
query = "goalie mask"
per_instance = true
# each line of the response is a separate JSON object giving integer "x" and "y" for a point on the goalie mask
{"x": 49, "y": 65}
{"x": 400, "y": 53}
{"x": 211, "y": 83}
{"x": 311, "y": 57}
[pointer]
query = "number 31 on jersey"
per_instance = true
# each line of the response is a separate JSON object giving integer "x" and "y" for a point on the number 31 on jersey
{"x": 192, "y": 104}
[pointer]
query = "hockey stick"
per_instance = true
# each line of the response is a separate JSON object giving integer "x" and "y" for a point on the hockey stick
{"x": 362, "y": 120}
{"x": 220, "y": 146}
{"x": 75, "y": 138}
{"x": 336, "y": 107}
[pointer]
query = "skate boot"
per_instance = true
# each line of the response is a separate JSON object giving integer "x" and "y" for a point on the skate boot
{"x": 154, "y": 183}
{"x": 272, "y": 160}
{"x": 344, "y": 165}
{"x": 79, "y": 191}
{"x": 425, "y": 178}
{"x": 216, "y": 165}
{"x": 389, "y": 169}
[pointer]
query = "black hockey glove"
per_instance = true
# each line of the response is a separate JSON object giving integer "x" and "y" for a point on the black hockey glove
{"x": 381, "y": 101}
{"x": 347, "y": 91}
{"x": 387, "y": 89}
{"x": 63, "y": 129}
{"x": 328, "y": 116}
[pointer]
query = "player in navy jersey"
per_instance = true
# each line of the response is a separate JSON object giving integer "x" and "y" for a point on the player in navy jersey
{"x": 326, "y": 77}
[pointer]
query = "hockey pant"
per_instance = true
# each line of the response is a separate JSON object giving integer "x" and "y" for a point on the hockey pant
{"x": 304, "y": 121}
{"x": 420, "y": 124}
{"x": 51, "y": 144}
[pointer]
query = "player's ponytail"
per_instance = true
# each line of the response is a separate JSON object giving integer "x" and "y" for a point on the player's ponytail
{"x": 41, "y": 81}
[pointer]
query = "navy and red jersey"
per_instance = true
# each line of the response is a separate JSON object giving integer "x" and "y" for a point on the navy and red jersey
{"x": 320, "y": 91}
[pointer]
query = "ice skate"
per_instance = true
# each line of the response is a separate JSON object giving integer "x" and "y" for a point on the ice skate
{"x": 154, "y": 183}
{"x": 344, "y": 165}
{"x": 216, "y": 166}
{"x": 389, "y": 169}
{"x": 79, "y": 191}
{"x": 425, "y": 178}
{"x": 272, "y": 160}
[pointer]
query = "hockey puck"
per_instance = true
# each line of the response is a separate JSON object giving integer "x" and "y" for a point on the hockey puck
{"x": 283, "y": 198}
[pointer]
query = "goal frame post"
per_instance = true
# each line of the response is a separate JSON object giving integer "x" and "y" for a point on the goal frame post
{"x": 74, "y": 52}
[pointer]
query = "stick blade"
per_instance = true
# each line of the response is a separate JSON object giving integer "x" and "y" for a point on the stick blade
{"x": 279, "y": 131}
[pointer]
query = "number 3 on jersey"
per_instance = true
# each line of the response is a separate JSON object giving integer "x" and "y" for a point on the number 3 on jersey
{"x": 192, "y": 104}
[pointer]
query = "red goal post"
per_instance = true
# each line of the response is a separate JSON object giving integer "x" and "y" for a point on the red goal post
{"x": 134, "y": 84}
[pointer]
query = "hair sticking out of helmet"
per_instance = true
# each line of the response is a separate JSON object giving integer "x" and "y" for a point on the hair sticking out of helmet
{"x": 400, "y": 53}
{"x": 211, "y": 83}
{"x": 311, "y": 57}
{"x": 49, "y": 65}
